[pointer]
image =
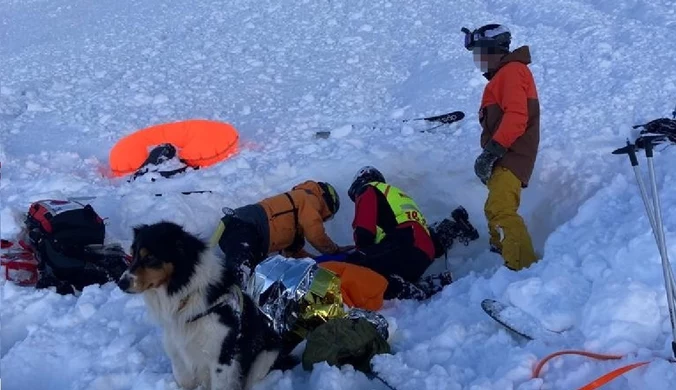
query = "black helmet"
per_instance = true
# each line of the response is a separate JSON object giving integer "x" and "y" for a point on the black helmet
{"x": 491, "y": 36}
{"x": 364, "y": 176}
{"x": 330, "y": 196}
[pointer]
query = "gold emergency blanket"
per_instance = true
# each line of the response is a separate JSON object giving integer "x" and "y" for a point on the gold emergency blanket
{"x": 295, "y": 294}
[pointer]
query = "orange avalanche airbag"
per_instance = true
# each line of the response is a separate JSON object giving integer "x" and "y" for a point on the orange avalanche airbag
{"x": 199, "y": 143}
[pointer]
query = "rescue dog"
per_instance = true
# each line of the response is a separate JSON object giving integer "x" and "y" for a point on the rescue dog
{"x": 213, "y": 333}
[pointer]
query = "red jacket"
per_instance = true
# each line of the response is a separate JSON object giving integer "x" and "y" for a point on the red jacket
{"x": 372, "y": 210}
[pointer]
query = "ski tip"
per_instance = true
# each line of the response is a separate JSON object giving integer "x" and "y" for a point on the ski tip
{"x": 452, "y": 117}
{"x": 488, "y": 304}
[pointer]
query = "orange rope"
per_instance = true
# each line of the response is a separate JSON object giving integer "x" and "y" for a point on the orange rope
{"x": 598, "y": 382}
{"x": 597, "y": 356}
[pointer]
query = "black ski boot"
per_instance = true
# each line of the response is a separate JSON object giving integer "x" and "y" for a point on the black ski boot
{"x": 464, "y": 230}
{"x": 433, "y": 284}
{"x": 446, "y": 231}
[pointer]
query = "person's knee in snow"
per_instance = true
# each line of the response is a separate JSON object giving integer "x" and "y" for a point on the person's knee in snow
{"x": 426, "y": 287}
{"x": 399, "y": 288}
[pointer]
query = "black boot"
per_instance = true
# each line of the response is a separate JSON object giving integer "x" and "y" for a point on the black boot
{"x": 398, "y": 288}
{"x": 442, "y": 236}
{"x": 446, "y": 231}
{"x": 432, "y": 284}
{"x": 464, "y": 230}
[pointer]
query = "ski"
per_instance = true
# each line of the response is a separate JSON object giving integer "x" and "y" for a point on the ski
{"x": 93, "y": 197}
{"x": 448, "y": 118}
{"x": 443, "y": 119}
{"x": 518, "y": 321}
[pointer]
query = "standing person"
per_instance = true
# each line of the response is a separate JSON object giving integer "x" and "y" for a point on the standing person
{"x": 510, "y": 120}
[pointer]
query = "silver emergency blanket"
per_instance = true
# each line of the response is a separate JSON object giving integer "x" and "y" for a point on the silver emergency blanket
{"x": 296, "y": 295}
{"x": 277, "y": 285}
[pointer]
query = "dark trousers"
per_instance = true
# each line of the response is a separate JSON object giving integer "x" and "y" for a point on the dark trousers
{"x": 242, "y": 245}
{"x": 395, "y": 255}
{"x": 402, "y": 265}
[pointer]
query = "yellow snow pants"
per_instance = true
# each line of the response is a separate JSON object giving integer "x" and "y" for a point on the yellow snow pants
{"x": 508, "y": 232}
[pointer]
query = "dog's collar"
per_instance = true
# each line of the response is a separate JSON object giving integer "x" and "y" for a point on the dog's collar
{"x": 234, "y": 297}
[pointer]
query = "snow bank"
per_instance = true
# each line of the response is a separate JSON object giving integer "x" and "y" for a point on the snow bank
{"x": 77, "y": 77}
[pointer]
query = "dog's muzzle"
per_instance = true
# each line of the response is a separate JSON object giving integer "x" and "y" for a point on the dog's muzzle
{"x": 126, "y": 282}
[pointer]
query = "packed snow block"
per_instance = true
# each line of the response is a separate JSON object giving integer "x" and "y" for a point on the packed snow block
{"x": 623, "y": 317}
{"x": 200, "y": 143}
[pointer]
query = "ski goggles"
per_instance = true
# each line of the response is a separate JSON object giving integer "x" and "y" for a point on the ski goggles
{"x": 484, "y": 44}
{"x": 471, "y": 38}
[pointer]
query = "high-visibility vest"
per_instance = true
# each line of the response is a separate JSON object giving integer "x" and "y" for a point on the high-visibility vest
{"x": 403, "y": 206}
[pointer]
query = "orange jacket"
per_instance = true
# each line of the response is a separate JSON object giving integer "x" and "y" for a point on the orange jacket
{"x": 292, "y": 225}
{"x": 360, "y": 286}
{"x": 510, "y": 113}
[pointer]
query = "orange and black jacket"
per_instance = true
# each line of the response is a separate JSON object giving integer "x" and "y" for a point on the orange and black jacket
{"x": 510, "y": 113}
{"x": 285, "y": 221}
{"x": 298, "y": 216}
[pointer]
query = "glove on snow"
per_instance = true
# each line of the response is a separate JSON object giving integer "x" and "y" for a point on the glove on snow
{"x": 483, "y": 166}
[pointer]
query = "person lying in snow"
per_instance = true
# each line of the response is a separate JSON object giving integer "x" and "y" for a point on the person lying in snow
{"x": 280, "y": 223}
{"x": 392, "y": 237}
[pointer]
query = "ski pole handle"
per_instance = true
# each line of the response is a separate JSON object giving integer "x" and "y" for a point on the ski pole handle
{"x": 630, "y": 150}
{"x": 632, "y": 154}
{"x": 648, "y": 142}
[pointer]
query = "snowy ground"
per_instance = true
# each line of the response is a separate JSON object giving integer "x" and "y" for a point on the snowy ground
{"x": 75, "y": 76}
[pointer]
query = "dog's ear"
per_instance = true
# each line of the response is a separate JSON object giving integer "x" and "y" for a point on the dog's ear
{"x": 137, "y": 229}
{"x": 180, "y": 248}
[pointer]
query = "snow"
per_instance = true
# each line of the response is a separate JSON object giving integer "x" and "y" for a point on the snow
{"x": 77, "y": 76}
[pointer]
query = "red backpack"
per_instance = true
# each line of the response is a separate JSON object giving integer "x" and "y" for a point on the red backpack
{"x": 68, "y": 241}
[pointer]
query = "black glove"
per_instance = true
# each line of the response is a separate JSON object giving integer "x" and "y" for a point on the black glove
{"x": 483, "y": 166}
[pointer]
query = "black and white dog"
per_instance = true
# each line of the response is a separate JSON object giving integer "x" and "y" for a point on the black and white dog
{"x": 213, "y": 333}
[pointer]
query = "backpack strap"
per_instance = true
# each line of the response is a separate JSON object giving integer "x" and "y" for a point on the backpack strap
{"x": 298, "y": 240}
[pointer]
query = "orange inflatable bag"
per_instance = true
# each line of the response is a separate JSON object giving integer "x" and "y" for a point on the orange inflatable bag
{"x": 199, "y": 143}
{"x": 360, "y": 286}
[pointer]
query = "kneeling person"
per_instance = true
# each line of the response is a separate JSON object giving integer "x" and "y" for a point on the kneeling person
{"x": 279, "y": 224}
{"x": 393, "y": 238}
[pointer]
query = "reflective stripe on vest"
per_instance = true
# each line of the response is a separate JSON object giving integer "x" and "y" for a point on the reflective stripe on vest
{"x": 403, "y": 206}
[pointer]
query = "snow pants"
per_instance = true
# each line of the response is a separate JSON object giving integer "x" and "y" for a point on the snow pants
{"x": 243, "y": 247}
{"x": 402, "y": 265}
{"x": 508, "y": 232}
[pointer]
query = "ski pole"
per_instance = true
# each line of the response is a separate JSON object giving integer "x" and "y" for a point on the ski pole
{"x": 670, "y": 285}
{"x": 662, "y": 240}
{"x": 86, "y": 198}
{"x": 649, "y": 207}
{"x": 658, "y": 230}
